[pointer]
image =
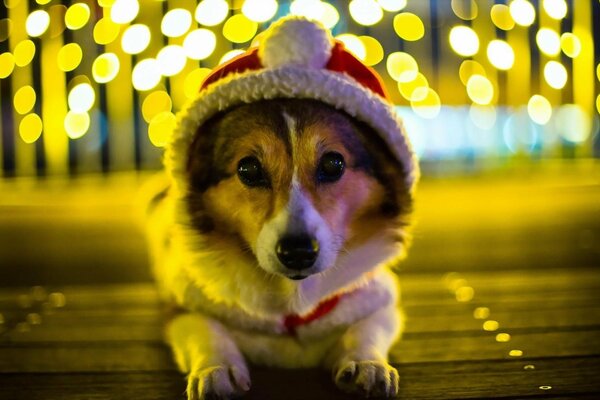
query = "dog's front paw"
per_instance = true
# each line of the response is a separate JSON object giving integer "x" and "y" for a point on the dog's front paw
{"x": 369, "y": 378}
{"x": 221, "y": 382}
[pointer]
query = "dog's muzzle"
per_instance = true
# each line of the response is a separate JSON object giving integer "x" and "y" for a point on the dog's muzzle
{"x": 297, "y": 252}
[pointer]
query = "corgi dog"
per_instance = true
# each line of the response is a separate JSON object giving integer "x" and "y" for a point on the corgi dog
{"x": 277, "y": 236}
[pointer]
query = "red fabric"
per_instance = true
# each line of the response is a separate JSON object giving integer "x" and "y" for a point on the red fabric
{"x": 293, "y": 321}
{"x": 246, "y": 61}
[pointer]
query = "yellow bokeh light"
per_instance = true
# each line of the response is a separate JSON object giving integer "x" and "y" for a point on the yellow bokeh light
{"x": 41, "y": 2}
{"x": 146, "y": 74}
{"x": 124, "y": 11}
{"x": 176, "y": 22}
{"x": 463, "y": 294}
{"x": 374, "y": 50}
{"x": 76, "y": 124}
{"x": 81, "y": 98}
{"x": 409, "y": 26}
{"x": 365, "y": 12}
{"x": 428, "y": 106}
{"x": 239, "y": 29}
{"x": 30, "y": 128}
{"x": 105, "y": 67}
{"x": 330, "y": 16}
{"x": 464, "y": 9}
{"x": 69, "y": 57}
{"x": 193, "y": 81}
{"x": 503, "y": 337}
{"x": 570, "y": 44}
{"x": 106, "y": 3}
{"x": 555, "y": 74}
{"x": 160, "y": 128}
{"x": 135, "y": 39}
{"x": 171, "y": 60}
{"x": 106, "y": 31}
{"x": 573, "y": 123}
{"x": 24, "y": 99}
{"x": 539, "y": 109}
{"x": 515, "y": 353}
{"x": 468, "y": 68}
{"x": 556, "y": 9}
{"x": 24, "y": 53}
{"x": 37, "y": 23}
{"x": 155, "y": 103}
{"x": 500, "y": 14}
{"x": 392, "y": 5}
{"x": 231, "y": 54}
{"x": 211, "y": 12}
{"x": 77, "y": 16}
{"x": 353, "y": 44}
{"x": 464, "y": 41}
{"x": 483, "y": 117}
{"x": 481, "y": 313}
{"x": 409, "y": 91}
{"x": 490, "y": 325}
{"x": 480, "y": 90}
{"x": 7, "y": 64}
{"x": 6, "y": 26}
{"x": 199, "y": 44}
{"x": 501, "y": 54}
{"x": 259, "y": 10}
{"x": 312, "y": 9}
{"x": 522, "y": 12}
{"x": 548, "y": 41}
{"x": 402, "y": 67}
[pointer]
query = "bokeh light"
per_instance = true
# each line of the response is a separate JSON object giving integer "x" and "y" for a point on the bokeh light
{"x": 259, "y": 10}
{"x": 193, "y": 81}
{"x": 105, "y": 67}
{"x": 146, "y": 74}
{"x": 555, "y": 74}
{"x": 312, "y": 9}
{"x": 211, "y": 12}
{"x": 465, "y": 9}
{"x": 199, "y": 44}
{"x": 365, "y": 12}
{"x": 30, "y": 128}
{"x": 426, "y": 103}
{"x": 374, "y": 50}
{"x": 556, "y": 9}
{"x": 402, "y": 67}
{"x": 76, "y": 124}
{"x": 124, "y": 11}
{"x": 353, "y": 44}
{"x": 392, "y": 5}
{"x": 464, "y": 41}
{"x": 522, "y": 12}
{"x": 469, "y": 68}
{"x": 480, "y": 90}
{"x": 77, "y": 16}
{"x": 570, "y": 44}
{"x": 135, "y": 39}
{"x": 548, "y": 41}
{"x": 231, "y": 54}
{"x": 500, "y": 54}
{"x": 155, "y": 103}
{"x": 484, "y": 117}
{"x": 539, "y": 109}
{"x": 6, "y": 26}
{"x": 37, "y": 23}
{"x": 500, "y": 14}
{"x": 409, "y": 91}
{"x": 573, "y": 123}
{"x": 7, "y": 64}
{"x": 160, "y": 128}
{"x": 239, "y": 29}
{"x": 81, "y": 98}
{"x": 24, "y": 99}
{"x": 171, "y": 60}
{"x": 24, "y": 53}
{"x": 106, "y": 31}
{"x": 69, "y": 57}
{"x": 330, "y": 16}
{"x": 176, "y": 22}
{"x": 409, "y": 26}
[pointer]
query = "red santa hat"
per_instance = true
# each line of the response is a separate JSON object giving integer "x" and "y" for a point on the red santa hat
{"x": 296, "y": 58}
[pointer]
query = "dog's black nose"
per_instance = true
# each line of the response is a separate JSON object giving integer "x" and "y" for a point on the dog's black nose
{"x": 298, "y": 251}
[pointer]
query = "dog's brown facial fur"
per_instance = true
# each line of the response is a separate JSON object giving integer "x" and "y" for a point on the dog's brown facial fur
{"x": 289, "y": 137}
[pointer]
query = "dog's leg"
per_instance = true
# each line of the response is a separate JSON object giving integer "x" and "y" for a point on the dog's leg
{"x": 206, "y": 352}
{"x": 359, "y": 359}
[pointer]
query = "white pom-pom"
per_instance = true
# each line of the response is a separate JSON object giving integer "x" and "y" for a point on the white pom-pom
{"x": 296, "y": 41}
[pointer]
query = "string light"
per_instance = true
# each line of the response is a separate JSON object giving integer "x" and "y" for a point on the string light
{"x": 409, "y": 26}
{"x": 365, "y": 12}
{"x": 176, "y": 22}
{"x": 211, "y": 12}
{"x": 105, "y": 67}
{"x": 464, "y": 41}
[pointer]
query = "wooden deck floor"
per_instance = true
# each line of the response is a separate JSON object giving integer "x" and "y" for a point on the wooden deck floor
{"x": 501, "y": 293}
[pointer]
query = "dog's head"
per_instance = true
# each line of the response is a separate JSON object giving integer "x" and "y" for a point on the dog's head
{"x": 297, "y": 184}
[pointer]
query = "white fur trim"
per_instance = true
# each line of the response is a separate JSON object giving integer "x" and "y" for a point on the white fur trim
{"x": 333, "y": 88}
{"x": 296, "y": 41}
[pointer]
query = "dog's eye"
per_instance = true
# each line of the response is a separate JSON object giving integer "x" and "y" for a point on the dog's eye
{"x": 331, "y": 167}
{"x": 251, "y": 172}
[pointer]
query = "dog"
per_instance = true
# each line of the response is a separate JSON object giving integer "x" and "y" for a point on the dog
{"x": 277, "y": 238}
